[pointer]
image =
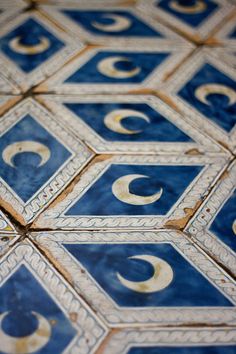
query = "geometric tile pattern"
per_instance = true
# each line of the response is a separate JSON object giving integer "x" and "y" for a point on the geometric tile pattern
{"x": 112, "y": 270}
{"x": 117, "y": 176}
{"x": 147, "y": 124}
{"x": 41, "y": 313}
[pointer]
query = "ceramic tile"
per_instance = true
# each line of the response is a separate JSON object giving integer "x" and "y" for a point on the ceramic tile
{"x": 196, "y": 19}
{"x": 40, "y": 312}
{"x": 9, "y": 9}
{"x": 113, "y": 26}
{"x": 136, "y": 192}
{"x": 172, "y": 341}
{"x": 145, "y": 124}
{"x": 8, "y": 86}
{"x": 227, "y": 34}
{"x": 116, "y": 70}
{"x": 7, "y": 102}
{"x": 214, "y": 224}
{"x": 141, "y": 278}
{"x": 30, "y": 56}
{"x": 204, "y": 89}
{"x": 227, "y": 54}
{"x": 8, "y": 233}
{"x": 38, "y": 159}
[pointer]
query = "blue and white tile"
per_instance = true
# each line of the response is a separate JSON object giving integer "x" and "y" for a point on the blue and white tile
{"x": 172, "y": 341}
{"x": 38, "y": 159}
{"x": 116, "y": 70}
{"x": 32, "y": 48}
{"x": 9, "y": 9}
{"x": 204, "y": 90}
{"x": 113, "y": 26}
{"x": 214, "y": 224}
{"x": 227, "y": 34}
{"x": 8, "y": 233}
{"x": 40, "y": 312}
{"x": 135, "y": 191}
{"x": 197, "y": 19}
{"x": 128, "y": 124}
{"x": 144, "y": 278}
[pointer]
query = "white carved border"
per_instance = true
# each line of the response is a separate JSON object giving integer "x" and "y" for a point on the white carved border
{"x": 11, "y": 8}
{"x": 120, "y": 316}
{"x": 75, "y": 28}
{"x": 54, "y": 217}
{"x": 200, "y": 141}
{"x": 200, "y": 224}
{"x": 79, "y": 156}
{"x": 182, "y": 76}
{"x": 64, "y": 296}
{"x": 56, "y": 82}
{"x": 122, "y": 342}
{"x": 8, "y": 87}
{"x": 24, "y": 80}
{"x": 223, "y": 33}
{"x": 203, "y": 30}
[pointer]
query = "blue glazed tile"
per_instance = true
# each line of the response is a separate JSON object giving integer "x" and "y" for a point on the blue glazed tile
{"x": 142, "y": 277}
{"x": 31, "y": 48}
{"x": 145, "y": 124}
{"x": 35, "y": 151}
{"x": 214, "y": 225}
{"x": 172, "y": 341}
{"x": 196, "y": 19}
{"x": 116, "y": 70}
{"x": 205, "y": 90}
{"x": 135, "y": 191}
{"x": 35, "y": 316}
{"x": 112, "y": 25}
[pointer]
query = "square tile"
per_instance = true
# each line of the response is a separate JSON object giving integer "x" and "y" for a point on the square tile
{"x": 140, "y": 278}
{"x": 113, "y": 26}
{"x": 135, "y": 191}
{"x": 204, "y": 90}
{"x": 214, "y": 224}
{"x": 32, "y": 48}
{"x": 40, "y": 311}
{"x": 128, "y": 124}
{"x": 172, "y": 341}
{"x": 116, "y": 70}
{"x": 195, "y": 19}
{"x": 38, "y": 159}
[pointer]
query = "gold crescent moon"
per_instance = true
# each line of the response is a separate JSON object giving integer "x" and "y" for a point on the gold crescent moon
{"x": 162, "y": 276}
{"x": 204, "y": 90}
{"x": 107, "y": 68}
{"x": 121, "y": 23}
{"x": 120, "y": 189}
{"x": 25, "y": 146}
{"x": 17, "y": 47}
{"x": 27, "y": 344}
{"x": 234, "y": 227}
{"x": 200, "y": 6}
{"x": 113, "y": 120}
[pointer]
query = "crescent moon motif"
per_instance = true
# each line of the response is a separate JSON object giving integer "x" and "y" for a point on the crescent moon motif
{"x": 204, "y": 90}
{"x": 27, "y": 344}
{"x": 198, "y": 7}
{"x": 15, "y": 45}
{"x": 107, "y": 68}
{"x": 162, "y": 276}
{"x": 113, "y": 120}
{"x": 25, "y": 146}
{"x": 121, "y": 23}
{"x": 120, "y": 189}
{"x": 234, "y": 227}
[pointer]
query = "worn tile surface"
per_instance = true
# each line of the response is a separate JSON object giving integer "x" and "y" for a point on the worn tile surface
{"x": 117, "y": 177}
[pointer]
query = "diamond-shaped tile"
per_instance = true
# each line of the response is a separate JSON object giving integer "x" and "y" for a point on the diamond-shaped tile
{"x": 128, "y": 124}
{"x": 38, "y": 159}
{"x": 39, "y": 311}
{"x": 31, "y": 48}
{"x": 172, "y": 341}
{"x": 195, "y": 19}
{"x": 204, "y": 89}
{"x": 214, "y": 224}
{"x": 116, "y": 70}
{"x": 135, "y": 277}
{"x": 135, "y": 191}
{"x": 112, "y": 25}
